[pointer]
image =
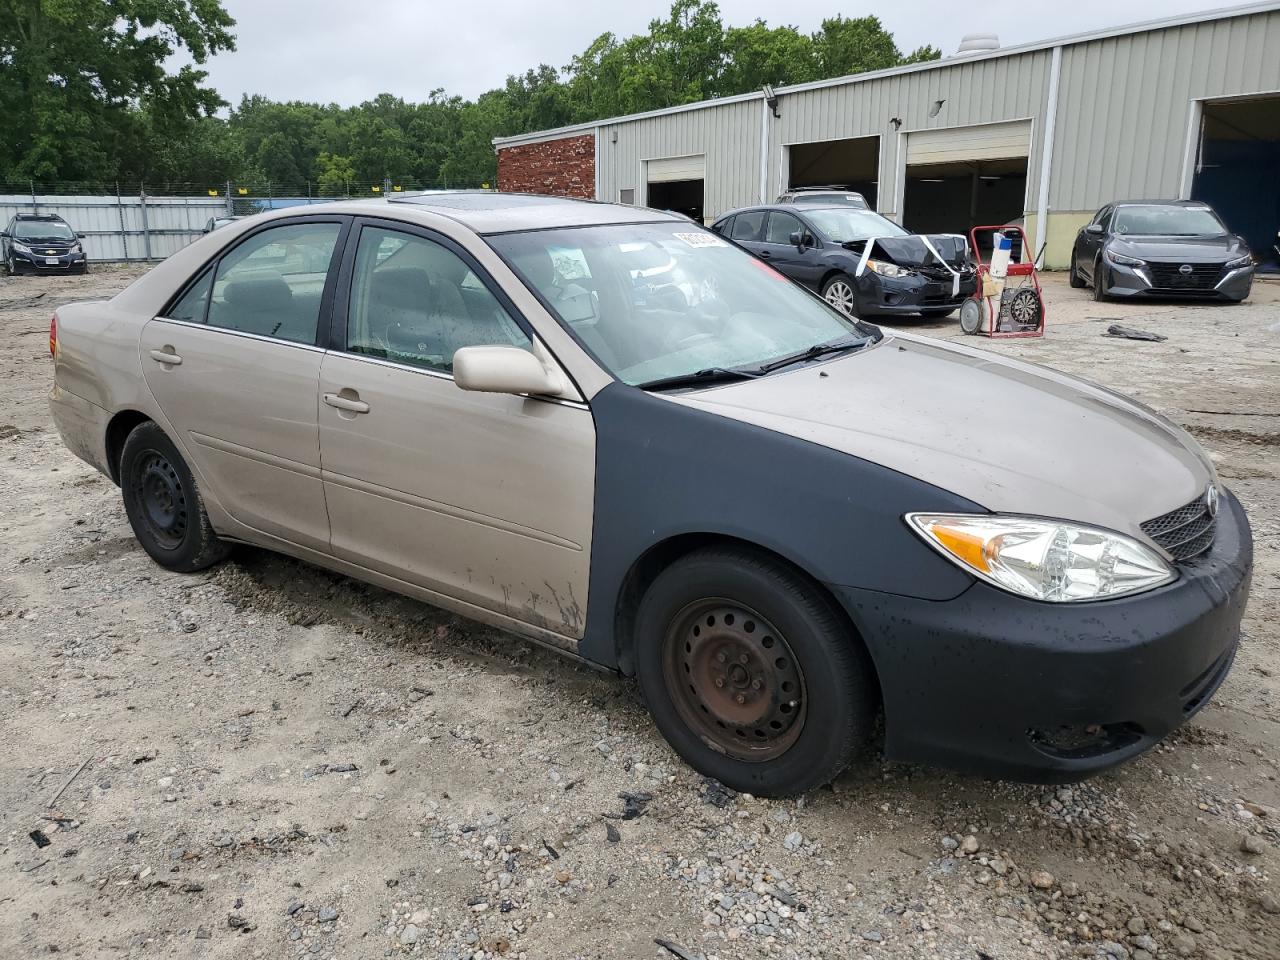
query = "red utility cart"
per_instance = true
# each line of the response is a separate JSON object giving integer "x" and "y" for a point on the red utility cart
{"x": 1017, "y": 310}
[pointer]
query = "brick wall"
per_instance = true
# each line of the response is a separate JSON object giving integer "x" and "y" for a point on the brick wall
{"x": 565, "y": 167}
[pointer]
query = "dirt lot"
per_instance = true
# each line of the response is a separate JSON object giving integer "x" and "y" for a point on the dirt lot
{"x": 281, "y": 762}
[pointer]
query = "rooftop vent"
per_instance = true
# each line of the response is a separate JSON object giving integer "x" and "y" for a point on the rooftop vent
{"x": 972, "y": 43}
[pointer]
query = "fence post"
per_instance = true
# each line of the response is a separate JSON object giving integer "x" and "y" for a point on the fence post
{"x": 35, "y": 207}
{"x": 231, "y": 206}
{"x": 124, "y": 235}
{"x": 146, "y": 229}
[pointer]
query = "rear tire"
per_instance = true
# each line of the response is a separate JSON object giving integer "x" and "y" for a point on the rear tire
{"x": 163, "y": 504}
{"x": 840, "y": 291}
{"x": 1099, "y": 281}
{"x": 751, "y": 673}
{"x": 1073, "y": 276}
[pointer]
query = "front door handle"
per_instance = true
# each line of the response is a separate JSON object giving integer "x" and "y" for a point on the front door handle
{"x": 764, "y": 254}
{"x": 346, "y": 403}
{"x": 166, "y": 356}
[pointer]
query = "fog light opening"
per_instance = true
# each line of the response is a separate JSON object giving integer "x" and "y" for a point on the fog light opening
{"x": 1079, "y": 741}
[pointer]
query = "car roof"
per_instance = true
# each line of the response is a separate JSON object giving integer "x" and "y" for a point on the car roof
{"x": 1159, "y": 203}
{"x": 487, "y": 212}
{"x": 795, "y": 211}
{"x": 37, "y": 216}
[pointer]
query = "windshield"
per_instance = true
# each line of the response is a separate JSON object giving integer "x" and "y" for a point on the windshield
{"x": 1162, "y": 221}
{"x": 838, "y": 199}
{"x": 841, "y": 226}
{"x": 652, "y": 301}
{"x": 42, "y": 230}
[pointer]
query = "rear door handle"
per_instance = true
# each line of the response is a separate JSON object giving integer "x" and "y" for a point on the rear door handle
{"x": 345, "y": 403}
{"x": 166, "y": 356}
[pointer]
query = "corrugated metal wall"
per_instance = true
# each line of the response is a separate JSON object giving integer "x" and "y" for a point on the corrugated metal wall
{"x": 728, "y": 135}
{"x": 119, "y": 228}
{"x": 984, "y": 91}
{"x": 1125, "y": 104}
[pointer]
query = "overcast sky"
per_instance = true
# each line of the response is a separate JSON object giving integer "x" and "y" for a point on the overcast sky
{"x": 323, "y": 50}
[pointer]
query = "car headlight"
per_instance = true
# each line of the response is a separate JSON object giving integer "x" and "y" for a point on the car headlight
{"x": 21, "y": 247}
{"x": 1245, "y": 261}
{"x": 1122, "y": 260}
{"x": 75, "y": 247}
{"x": 1044, "y": 559}
{"x": 887, "y": 269}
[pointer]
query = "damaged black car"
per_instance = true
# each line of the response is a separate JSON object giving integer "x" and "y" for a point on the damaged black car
{"x": 859, "y": 262}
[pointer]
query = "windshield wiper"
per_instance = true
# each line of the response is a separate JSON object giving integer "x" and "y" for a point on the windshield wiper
{"x": 817, "y": 350}
{"x": 700, "y": 378}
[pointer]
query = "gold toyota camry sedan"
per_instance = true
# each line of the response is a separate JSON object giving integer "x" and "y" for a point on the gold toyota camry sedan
{"x": 609, "y": 430}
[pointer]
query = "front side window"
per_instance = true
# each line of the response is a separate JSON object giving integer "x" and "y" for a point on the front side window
{"x": 415, "y": 301}
{"x": 665, "y": 299}
{"x": 781, "y": 226}
{"x": 272, "y": 283}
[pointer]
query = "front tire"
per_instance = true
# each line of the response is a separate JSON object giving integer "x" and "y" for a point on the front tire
{"x": 163, "y": 504}
{"x": 1099, "y": 281}
{"x": 840, "y": 291}
{"x": 751, "y": 673}
{"x": 11, "y": 266}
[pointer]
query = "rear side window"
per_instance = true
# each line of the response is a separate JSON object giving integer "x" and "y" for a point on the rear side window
{"x": 193, "y": 303}
{"x": 271, "y": 284}
{"x": 746, "y": 226}
{"x": 415, "y": 301}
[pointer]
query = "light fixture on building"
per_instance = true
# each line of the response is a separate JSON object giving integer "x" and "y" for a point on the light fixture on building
{"x": 613, "y": 134}
{"x": 771, "y": 99}
{"x": 936, "y": 108}
{"x": 897, "y": 123}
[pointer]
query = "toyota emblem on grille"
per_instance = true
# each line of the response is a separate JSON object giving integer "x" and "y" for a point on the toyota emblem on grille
{"x": 1185, "y": 269}
{"x": 1211, "y": 500}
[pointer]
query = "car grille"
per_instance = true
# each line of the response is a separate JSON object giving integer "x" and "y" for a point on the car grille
{"x": 1186, "y": 532}
{"x": 1169, "y": 276}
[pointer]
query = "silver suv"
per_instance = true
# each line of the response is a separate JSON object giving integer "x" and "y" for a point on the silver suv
{"x": 828, "y": 196}
{"x": 611, "y": 431}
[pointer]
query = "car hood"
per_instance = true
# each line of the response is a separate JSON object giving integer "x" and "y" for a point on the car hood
{"x": 910, "y": 251}
{"x": 1011, "y": 436}
{"x": 1181, "y": 249}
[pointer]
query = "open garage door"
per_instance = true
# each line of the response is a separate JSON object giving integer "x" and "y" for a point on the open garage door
{"x": 677, "y": 184}
{"x": 1238, "y": 168}
{"x": 959, "y": 177}
{"x": 852, "y": 164}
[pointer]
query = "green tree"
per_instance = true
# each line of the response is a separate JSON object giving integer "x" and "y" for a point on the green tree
{"x": 333, "y": 174}
{"x": 74, "y": 73}
{"x": 844, "y": 46}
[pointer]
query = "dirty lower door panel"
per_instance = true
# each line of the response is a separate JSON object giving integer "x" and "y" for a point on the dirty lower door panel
{"x": 486, "y": 498}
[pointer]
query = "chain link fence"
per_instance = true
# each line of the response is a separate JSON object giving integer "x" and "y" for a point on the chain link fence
{"x": 125, "y": 222}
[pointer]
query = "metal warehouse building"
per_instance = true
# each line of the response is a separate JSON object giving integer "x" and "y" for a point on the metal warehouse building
{"x": 1184, "y": 107}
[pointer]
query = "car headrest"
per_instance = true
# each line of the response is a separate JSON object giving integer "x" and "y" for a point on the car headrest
{"x": 404, "y": 288}
{"x": 258, "y": 293}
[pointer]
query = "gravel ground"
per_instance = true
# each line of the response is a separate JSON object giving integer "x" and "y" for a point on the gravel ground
{"x": 277, "y": 762}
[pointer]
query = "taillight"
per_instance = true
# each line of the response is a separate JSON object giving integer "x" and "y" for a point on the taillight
{"x": 53, "y": 337}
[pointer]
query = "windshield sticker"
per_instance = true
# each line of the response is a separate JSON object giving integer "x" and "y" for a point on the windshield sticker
{"x": 700, "y": 239}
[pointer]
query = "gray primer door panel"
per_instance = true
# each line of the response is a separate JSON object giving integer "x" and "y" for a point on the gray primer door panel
{"x": 245, "y": 409}
{"x": 484, "y": 497}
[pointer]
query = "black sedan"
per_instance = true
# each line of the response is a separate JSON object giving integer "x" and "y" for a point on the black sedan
{"x": 860, "y": 263}
{"x": 41, "y": 243}
{"x": 1161, "y": 248}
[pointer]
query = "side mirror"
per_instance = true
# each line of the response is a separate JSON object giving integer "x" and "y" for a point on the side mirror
{"x": 504, "y": 369}
{"x": 4, "y": 234}
{"x": 797, "y": 239}
{"x": 1094, "y": 228}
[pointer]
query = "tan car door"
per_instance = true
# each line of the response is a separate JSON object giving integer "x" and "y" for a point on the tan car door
{"x": 234, "y": 367}
{"x": 483, "y": 498}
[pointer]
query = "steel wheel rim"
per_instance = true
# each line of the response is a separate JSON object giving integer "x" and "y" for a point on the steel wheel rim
{"x": 162, "y": 500}
{"x": 840, "y": 296}
{"x": 734, "y": 680}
